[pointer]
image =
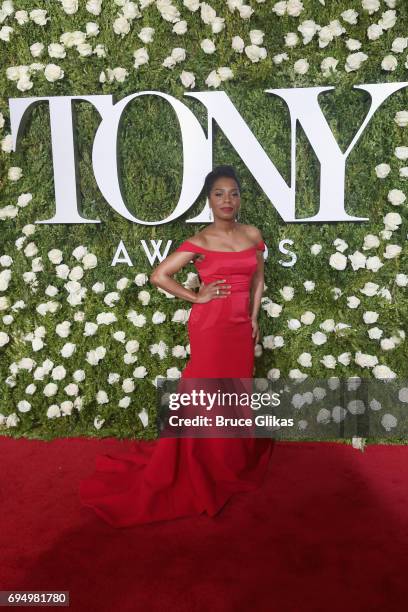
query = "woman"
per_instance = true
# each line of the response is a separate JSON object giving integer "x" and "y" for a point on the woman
{"x": 175, "y": 477}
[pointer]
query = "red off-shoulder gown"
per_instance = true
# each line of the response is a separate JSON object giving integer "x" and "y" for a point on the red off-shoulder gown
{"x": 172, "y": 477}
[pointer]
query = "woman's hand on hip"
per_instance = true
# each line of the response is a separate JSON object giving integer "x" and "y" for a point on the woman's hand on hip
{"x": 216, "y": 289}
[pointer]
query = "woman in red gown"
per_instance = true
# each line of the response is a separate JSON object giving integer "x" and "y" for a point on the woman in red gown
{"x": 175, "y": 477}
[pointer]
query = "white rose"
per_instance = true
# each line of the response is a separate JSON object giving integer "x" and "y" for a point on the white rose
{"x": 369, "y": 289}
{"x": 179, "y": 54}
{"x": 21, "y": 17}
{"x": 56, "y": 50}
{"x": 237, "y": 44}
{"x": 121, "y": 26}
{"x": 371, "y": 6}
{"x": 69, "y": 6}
{"x": 291, "y": 39}
{"x": 354, "y": 61}
{"x": 124, "y": 402}
{"x": 319, "y": 338}
{"x": 396, "y": 197}
{"x": 225, "y": 73}
{"x": 327, "y": 325}
{"x": 294, "y": 324}
{"x": 388, "y": 20}
{"x": 139, "y": 372}
{"x": 217, "y": 25}
{"x": 401, "y": 117}
{"x": 398, "y": 46}
{"x": 180, "y": 27}
{"x": 272, "y": 309}
{"x": 305, "y": 360}
{"x": 280, "y": 8}
{"x": 353, "y": 301}
{"x": 389, "y": 63}
{"x": 255, "y": 53}
{"x": 309, "y": 285}
{"x": 391, "y": 251}
{"x": 94, "y": 6}
{"x": 187, "y": 79}
{"x": 328, "y": 65}
{"x": 68, "y": 349}
{"x": 256, "y": 36}
{"x": 141, "y": 57}
{"x": 392, "y": 220}
{"x": 71, "y": 389}
{"x": 207, "y": 46}
{"x": 294, "y": 7}
{"x": 353, "y": 44}
{"x": 387, "y": 344}
{"x": 53, "y": 411}
{"x": 375, "y": 333}
{"x": 102, "y": 397}
{"x": 132, "y": 346}
{"x": 7, "y": 144}
{"x": 79, "y": 375}
{"x": 370, "y": 242}
{"x": 89, "y": 261}
{"x": 179, "y": 351}
{"x": 245, "y": 11}
{"x": 98, "y": 287}
{"x": 315, "y": 249}
{"x": 358, "y": 260}
{"x": 146, "y": 34}
{"x": 213, "y": 79}
{"x": 301, "y": 66}
{"x": 365, "y": 360}
{"x": 401, "y": 152}
{"x": 52, "y": 73}
{"x": 90, "y": 329}
{"x": 329, "y": 361}
{"x": 383, "y": 372}
{"x": 92, "y": 29}
{"x": 401, "y": 280}
{"x": 158, "y": 317}
{"x": 287, "y": 293}
{"x": 144, "y": 297}
{"x": 4, "y": 338}
{"x": 307, "y": 317}
{"x": 128, "y": 385}
{"x": 374, "y": 263}
{"x": 370, "y": 317}
{"x": 344, "y": 358}
{"x": 382, "y": 170}
{"x": 39, "y": 16}
{"x": 50, "y": 389}
{"x": 141, "y": 279}
{"x": 350, "y": 16}
{"x": 14, "y": 173}
{"x": 374, "y": 31}
{"x": 338, "y": 261}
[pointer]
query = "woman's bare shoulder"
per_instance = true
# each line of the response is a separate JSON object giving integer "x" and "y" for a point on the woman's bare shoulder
{"x": 252, "y": 232}
{"x": 199, "y": 239}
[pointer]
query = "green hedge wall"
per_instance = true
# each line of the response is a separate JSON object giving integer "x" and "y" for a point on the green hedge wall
{"x": 151, "y": 159}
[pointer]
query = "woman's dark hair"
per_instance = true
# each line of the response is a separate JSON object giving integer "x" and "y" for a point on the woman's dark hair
{"x": 218, "y": 172}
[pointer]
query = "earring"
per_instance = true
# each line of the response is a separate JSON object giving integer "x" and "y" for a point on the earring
{"x": 211, "y": 214}
{"x": 237, "y": 217}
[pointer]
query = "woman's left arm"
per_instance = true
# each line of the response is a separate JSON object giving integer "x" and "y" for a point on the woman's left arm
{"x": 257, "y": 287}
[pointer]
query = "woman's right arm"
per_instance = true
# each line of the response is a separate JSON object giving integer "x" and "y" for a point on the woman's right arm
{"x": 162, "y": 277}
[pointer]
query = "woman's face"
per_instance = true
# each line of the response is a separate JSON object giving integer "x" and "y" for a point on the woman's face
{"x": 224, "y": 198}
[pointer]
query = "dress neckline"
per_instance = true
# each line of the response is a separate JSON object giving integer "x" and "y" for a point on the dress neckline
{"x": 213, "y": 251}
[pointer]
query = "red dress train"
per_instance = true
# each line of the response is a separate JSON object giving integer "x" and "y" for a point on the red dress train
{"x": 173, "y": 477}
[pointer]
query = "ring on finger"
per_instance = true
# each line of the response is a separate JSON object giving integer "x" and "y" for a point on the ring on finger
{"x": 218, "y": 292}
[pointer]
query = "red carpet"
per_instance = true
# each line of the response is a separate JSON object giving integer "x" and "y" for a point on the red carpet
{"x": 327, "y": 531}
